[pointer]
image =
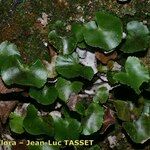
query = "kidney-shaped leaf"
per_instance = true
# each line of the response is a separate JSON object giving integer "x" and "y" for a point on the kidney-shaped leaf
{"x": 123, "y": 110}
{"x": 93, "y": 120}
{"x": 127, "y": 110}
{"x": 65, "y": 88}
{"x": 137, "y": 39}
{"x": 139, "y": 130}
{"x": 14, "y": 72}
{"x": 66, "y": 128}
{"x": 136, "y": 73}
{"x": 46, "y": 96}
{"x": 16, "y": 123}
{"x": 35, "y": 124}
{"x": 69, "y": 67}
{"x": 65, "y": 45}
{"x": 7, "y": 49}
{"x": 105, "y": 32}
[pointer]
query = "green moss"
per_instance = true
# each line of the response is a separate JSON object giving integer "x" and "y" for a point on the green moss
{"x": 19, "y": 22}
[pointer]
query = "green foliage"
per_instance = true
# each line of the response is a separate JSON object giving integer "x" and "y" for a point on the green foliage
{"x": 95, "y": 147}
{"x": 68, "y": 66}
{"x": 66, "y": 128}
{"x": 93, "y": 120}
{"x": 43, "y": 147}
{"x": 136, "y": 73}
{"x": 35, "y": 124}
{"x": 80, "y": 108}
{"x": 139, "y": 130}
{"x": 101, "y": 95}
{"x": 125, "y": 110}
{"x": 65, "y": 88}
{"x": 14, "y": 72}
{"x": 8, "y": 49}
{"x": 65, "y": 45}
{"x": 105, "y": 32}
{"x": 77, "y": 29}
{"x": 67, "y": 80}
{"x": 137, "y": 38}
{"x": 16, "y": 123}
{"x": 46, "y": 96}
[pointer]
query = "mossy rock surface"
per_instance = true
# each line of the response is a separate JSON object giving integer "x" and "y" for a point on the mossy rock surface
{"x": 19, "y": 20}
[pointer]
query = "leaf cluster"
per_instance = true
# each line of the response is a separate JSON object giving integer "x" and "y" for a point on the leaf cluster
{"x": 105, "y": 33}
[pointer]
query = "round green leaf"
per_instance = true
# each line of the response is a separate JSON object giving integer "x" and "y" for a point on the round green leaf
{"x": 123, "y": 110}
{"x": 65, "y": 45}
{"x": 93, "y": 120}
{"x": 14, "y": 72}
{"x": 35, "y": 124}
{"x": 136, "y": 73}
{"x": 7, "y": 49}
{"x": 139, "y": 130}
{"x": 65, "y": 88}
{"x": 46, "y": 95}
{"x": 66, "y": 128}
{"x": 126, "y": 109}
{"x": 137, "y": 39}
{"x": 105, "y": 32}
{"x": 16, "y": 123}
{"x": 69, "y": 67}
